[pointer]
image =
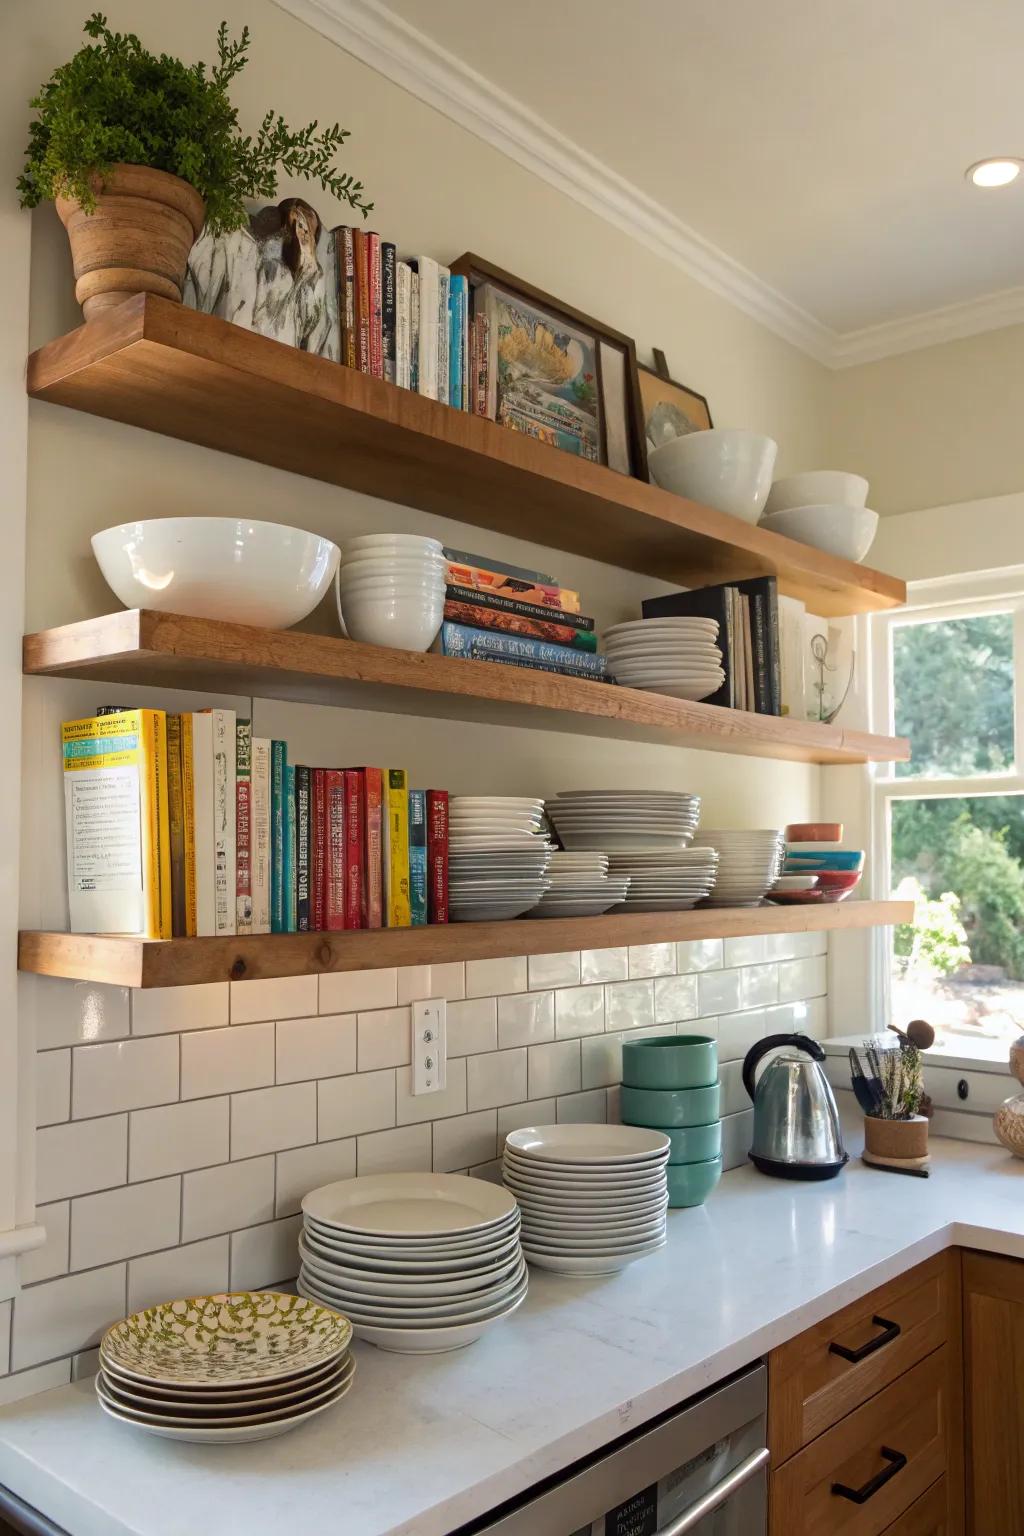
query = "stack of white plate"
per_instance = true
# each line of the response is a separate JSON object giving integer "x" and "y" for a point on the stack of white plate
{"x": 390, "y": 590}
{"x": 421, "y": 1262}
{"x": 498, "y": 856}
{"x": 674, "y": 656}
{"x": 749, "y": 863}
{"x": 593, "y": 1197}
{"x": 665, "y": 879}
{"x": 608, "y": 819}
{"x": 214, "y": 1369}
{"x": 580, "y": 886}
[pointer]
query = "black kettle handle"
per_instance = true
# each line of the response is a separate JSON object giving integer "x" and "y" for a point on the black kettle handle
{"x": 771, "y": 1043}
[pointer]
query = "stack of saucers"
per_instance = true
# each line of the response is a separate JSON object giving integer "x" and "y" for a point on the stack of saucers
{"x": 749, "y": 863}
{"x": 678, "y": 657}
{"x": 421, "y": 1262}
{"x": 580, "y": 886}
{"x": 391, "y": 589}
{"x": 593, "y": 1197}
{"x": 608, "y": 819}
{"x": 665, "y": 879}
{"x": 498, "y": 856}
{"x": 232, "y": 1367}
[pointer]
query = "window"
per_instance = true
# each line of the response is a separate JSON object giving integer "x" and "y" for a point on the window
{"x": 949, "y": 825}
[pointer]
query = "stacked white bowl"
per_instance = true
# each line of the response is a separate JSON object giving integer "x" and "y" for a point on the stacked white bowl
{"x": 825, "y": 508}
{"x": 593, "y": 1197}
{"x": 390, "y": 590}
{"x": 675, "y": 656}
{"x": 420, "y": 1262}
{"x": 580, "y": 886}
{"x": 665, "y": 879}
{"x": 498, "y": 856}
{"x": 749, "y": 863}
{"x": 608, "y": 819}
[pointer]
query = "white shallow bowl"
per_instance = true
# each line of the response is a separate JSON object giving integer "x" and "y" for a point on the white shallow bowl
{"x": 231, "y": 568}
{"x": 410, "y": 1204}
{"x": 846, "y": 532}
{"x": 589, "y": 1145}
{"x": 424, "y": 1339}
{"x": 816, "y": 486}
{"x": 590, "y": 1264}
{"x": 725, "y": 468}
{"x": 407, "y": 542}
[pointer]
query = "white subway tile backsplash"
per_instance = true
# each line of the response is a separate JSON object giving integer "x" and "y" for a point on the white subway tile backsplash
{"x": 55, "y": 1373}
{"x": 412, "y": 1108}
{"x": 413, "y": 984}
{"x": 75, "y": 1158}
{"x": 558, "y": 970}
{"x": 759, "y": 986}
{"x": 613, "y": 1096}
{"x": 675, "y": 998}
{"x": 197, "y": 1269}
{"x": 271, "y": 1119}
{"x": 737, "y": 1135}
{"x": 217, "y": 1200}
{"x": 604, "y": 964}
{"x": 62, "y": 1316}
{"x": 497, "y": 1077}
{"x": 554, "y": 1069}
{"x": 350, "y": 1106}
{"x": 126, "y": 1074}
{"x": 85, "y": 1364}
{"x": 528, "y": 1019}
{"x": 53, "y": 1087}
{"x": 52, "y": 1257}
{"x": 324, "y": 1046}
{"x": 385, "y": 1039}
{"x": 737, "y": 1032}
{"x": 718, "y": 992}
{"x": 472, "y": 1026}
{"x": 306, "y": 1168}
{"x": 265, "y": 1255}
{"x": 448, "y": 980}
{"x": 512, "y": 1117}
{"x": 121, "y": 1222}
{"x": 230, "y": 1060}
{"x": 171, "y": 1010}
{"x": 464, "y": 1140}
{"x": 589, "y": 1108}
{"x": 803, "y": 978}
{"x": 407, "y": 1149}
{"x": 601, "y": 1060}
{"x": 490, "y": 978}
{"x": 748, "y": 949}
{"x": 73, "y": 1012}
{"x": 629, "y": 1004}
{"x": 579, "y": 1011}
{"x": 734, "y": 1096}
{"x": 177, "y": 1137}
{"x": 699, "y": 955}
{"x": 651, "y": 960}
{"x": 352, "y": 991}
{"x": 279, "y": 997}
{"x": 6, "y": 1310}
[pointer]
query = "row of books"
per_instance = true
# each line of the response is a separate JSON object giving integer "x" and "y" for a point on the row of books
{"x": 188, "y": 825}
{"x": 516, "y": 617}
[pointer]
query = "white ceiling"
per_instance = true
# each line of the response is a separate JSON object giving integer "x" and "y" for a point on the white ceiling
{"x": 821, "y": 144}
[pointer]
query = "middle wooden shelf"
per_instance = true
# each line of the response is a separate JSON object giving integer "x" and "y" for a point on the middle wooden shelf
{"x": 142, "y": 647}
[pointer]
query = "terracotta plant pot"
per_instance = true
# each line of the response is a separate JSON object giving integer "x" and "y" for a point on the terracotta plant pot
{"x": 136, "y": 241}
{"x": 896, "y": 1138}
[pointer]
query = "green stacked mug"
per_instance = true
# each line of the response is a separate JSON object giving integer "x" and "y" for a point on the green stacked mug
{"x": 670, "y": 1084}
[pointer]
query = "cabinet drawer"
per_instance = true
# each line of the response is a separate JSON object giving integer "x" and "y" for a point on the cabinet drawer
{"x": 889, "y": 1451}
{"x": 927, "y": 1516}
{"x": 813, "y": 1381}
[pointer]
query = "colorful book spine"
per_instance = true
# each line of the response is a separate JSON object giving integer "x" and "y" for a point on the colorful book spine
{"x": 463, "y": 606}
{"x": 442, "y": 327}
{"x": 519, "y": 589}
{"x": 388, "y": 308}
{"x": 224, "y": 814}
{"x": 176, "y": 825}
{"x": 518, "y": 572}
{"x": 291, "y": 854}
{"x": 157, "y": 823}
{"x": 188, "y": 816}
{"x": 486, "y": 645}
{"x": 243, "y": 826}
{"x": 403, "y": 301}
{"x": 334, "y": 810}
{"x": 278, "y": 836}
{"x": 362, "y": 299}
{"x": 427, "y": 312}
{"x": 202, "y": 775}
{"x": 457, "y": 291}
{"x": 437, "y": 855}
{"x": 414, "y": 329}
{"x": 347, "y": 294}
{"x": 355, "y": 892}
{"x": 260, "y": 834}
{"x": 376, "y": 305}
{"x": 398, "y": 913}
{"x": 373, "y": 845}
{"x": 317, "y": 851}
{"x": 302, "y": 848}
{"x": 480, "y": 363}
{"x": 418, "y": 857}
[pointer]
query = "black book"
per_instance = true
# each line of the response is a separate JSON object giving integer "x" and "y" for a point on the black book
{"x": 713, "y": 603}
{"x": 303, "y": 856}
{"x": 387, "y": 307}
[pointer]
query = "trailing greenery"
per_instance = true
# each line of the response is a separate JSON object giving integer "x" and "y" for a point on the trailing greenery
{"x": 115, "y": 101}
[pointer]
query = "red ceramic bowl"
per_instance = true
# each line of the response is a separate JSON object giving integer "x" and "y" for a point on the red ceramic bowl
{"x": 833, "y": 885}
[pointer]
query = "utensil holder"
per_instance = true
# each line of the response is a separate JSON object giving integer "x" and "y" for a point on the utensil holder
{"x": 893, "y": 1139}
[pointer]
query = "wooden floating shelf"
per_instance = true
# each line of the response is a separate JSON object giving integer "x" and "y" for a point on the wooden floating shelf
{"x": 169, "y": 651}
{"x": 161, "y": 366}
{"x": 127, "y": 962}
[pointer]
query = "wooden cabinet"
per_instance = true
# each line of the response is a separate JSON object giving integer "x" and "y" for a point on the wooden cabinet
{"x": 927, "y": 1516}
{"x": 994, "y": 1365}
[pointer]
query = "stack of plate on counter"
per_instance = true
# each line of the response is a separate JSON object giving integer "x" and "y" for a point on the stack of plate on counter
{"x": 749, "y": 863}
{"x": 498, "y": 856}
{"x": 609, "y": 819}
{"x": 665, "y": 879}
{"x": 421, "y": 1262}
{"x": 232, "y": 1367}
{"x": 678, "y": 657}
{"x": 580, "y": 886}
{"x": 593, "y": 1197}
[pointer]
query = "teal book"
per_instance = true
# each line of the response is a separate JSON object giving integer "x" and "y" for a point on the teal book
{"x": 418, "y": 856}
{"x": 278, "y": 816}
{"x": 457, "y": 307}
{"x": 291, "y": 889}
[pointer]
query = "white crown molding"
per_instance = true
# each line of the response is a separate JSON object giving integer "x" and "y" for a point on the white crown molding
{"x": 401, "y": 53}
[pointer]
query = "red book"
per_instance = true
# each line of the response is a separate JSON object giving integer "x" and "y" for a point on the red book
{"x": 355, "y": 854}
{"x": 334, "y": 897}
{"x": 437, "y": 855}
{"x": 362, "y": 298}
{"x": 373, "y": 845}
{"x": 376, "y": 306}
{"x": 317, "y": 851}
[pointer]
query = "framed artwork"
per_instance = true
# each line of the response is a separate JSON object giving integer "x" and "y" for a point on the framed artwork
{"x": 669, "y": 409}
{"x": 554, "y": 373}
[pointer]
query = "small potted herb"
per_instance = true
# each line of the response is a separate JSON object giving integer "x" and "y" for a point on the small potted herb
{"x": 890, "y": 1089}
{"x": 137, "y": 149}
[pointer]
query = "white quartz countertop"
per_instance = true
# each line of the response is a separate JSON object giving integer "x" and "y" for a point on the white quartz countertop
{"x": 424, "y": 1445}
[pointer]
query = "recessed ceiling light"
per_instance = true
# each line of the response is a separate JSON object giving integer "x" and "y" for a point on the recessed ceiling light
{"x": 993, "y": 173}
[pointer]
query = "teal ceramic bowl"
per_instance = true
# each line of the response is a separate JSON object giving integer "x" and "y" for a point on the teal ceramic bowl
{"x": 691, "y": 1183}
{"x": 670, "y": 1061}
{"x": 695, "y": 1143}
{"x": 662, "y": 1108}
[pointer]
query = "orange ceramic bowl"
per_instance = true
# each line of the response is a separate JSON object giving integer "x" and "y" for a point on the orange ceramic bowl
{"x": 814, "y": 832}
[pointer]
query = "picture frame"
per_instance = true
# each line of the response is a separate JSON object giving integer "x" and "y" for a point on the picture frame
{"x": 563, "y": 376}
{"x": 669, "y": 409}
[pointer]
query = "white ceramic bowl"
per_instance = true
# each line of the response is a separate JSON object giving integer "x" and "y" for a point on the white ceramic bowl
{"x": 847, "y": 532}
{"x": 398, "y": 621}
{"x": 408, "y": 542}
{"x": 412, "y": 586}
{"x": 231, "y": 568}
{"x": 370, "y": 564}
{"x": 725, "y": 468}
{"x": 817, "y": 487}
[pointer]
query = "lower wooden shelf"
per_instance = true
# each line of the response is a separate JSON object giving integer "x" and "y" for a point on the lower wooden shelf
{"x": 130, "y": 962}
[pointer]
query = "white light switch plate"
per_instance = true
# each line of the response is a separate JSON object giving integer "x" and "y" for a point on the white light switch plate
{"x": 429, "y": 1046}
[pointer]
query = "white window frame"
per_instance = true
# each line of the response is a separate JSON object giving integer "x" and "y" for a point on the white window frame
{"x": 952, "y": 597}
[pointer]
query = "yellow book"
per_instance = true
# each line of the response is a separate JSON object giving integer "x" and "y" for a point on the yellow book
{"x": 156, "y": 842}
{"x": 176, "y": 822}
{"x": 397, "y": 905}
{"x": 188, "y": 825}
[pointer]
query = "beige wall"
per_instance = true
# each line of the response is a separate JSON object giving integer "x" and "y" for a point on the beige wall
{"x": 968, "y": 536}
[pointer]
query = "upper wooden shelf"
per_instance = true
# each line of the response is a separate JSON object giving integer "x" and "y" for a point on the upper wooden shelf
{"x": 128, "y": 962}
{"x": 159, "y": 365}
{"x": 170, "y": 651}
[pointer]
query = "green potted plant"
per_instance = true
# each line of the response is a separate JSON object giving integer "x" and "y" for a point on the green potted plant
{"x": 137, "y": 149}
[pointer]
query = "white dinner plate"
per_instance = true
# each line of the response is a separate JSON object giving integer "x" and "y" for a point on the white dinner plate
{"x": 550, "y": 1242}
{"x": 679, "y": 624}
{"x": 588, "y": 1144}
{"x": 366, "y": 1248}
{"x": 555, "y": 1208}
{"x": 584, "y": 1180}
{"x": 410, "y": 1203}
{"x": 466, "y": 1309}
{"x": 401, "y": 1286}
{"x": 438, "y": 1340}
{"x": 587, "y": 1264}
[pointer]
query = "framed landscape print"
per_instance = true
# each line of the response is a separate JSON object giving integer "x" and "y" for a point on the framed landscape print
{"x": 669, "y": 409}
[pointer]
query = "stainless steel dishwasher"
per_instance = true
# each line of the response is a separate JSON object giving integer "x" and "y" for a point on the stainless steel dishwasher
{"x": 701, "y": 1469}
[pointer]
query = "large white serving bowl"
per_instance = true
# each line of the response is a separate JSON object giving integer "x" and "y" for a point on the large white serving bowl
{"x": 231, "y": 568}
{"x": 725, "y": 468}
{"x": 816, "y": 486}
{"x": 846, "y": 532}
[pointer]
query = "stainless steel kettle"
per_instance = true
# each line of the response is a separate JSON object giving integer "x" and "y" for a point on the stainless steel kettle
{"x": 797, "y": 1134}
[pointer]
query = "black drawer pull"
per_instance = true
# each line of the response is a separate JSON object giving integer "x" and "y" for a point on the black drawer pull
{"x": 891, "y": 1331}
{"x": 897, "y": 1461}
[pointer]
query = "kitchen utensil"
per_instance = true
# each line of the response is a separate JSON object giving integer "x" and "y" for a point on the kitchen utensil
{"x": 797, "y": 1134}
{"x": 867, "y": 1090}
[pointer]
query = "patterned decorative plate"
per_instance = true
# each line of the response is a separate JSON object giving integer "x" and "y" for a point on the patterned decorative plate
{"x": 222, "y": 1340}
